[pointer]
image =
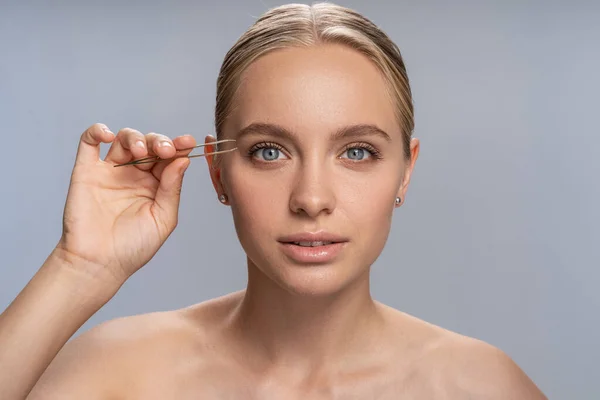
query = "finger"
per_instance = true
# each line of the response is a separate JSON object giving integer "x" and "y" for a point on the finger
{"x": 180, "y": 143}
{"x": 157, "y": 145}
{"x": 161, "y": 145}
{"x": 88, "y": 150}
{"x": 168, "y": 194}
{"x": 130, "y": 144}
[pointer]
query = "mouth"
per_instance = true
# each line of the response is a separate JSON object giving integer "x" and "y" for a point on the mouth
{"x": 312, "y": 239}
{"x": 311, "y": 244}
{"x": 312, "y": 248}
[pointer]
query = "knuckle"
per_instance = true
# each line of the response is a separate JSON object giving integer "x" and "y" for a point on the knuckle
{"x": 158, "y": 136}
{"x": 96, "y": 128}
{"x": 128, "y": 131}
{"x": 150, "y": 137}
{"x": 130, "y": 136}
{"x": 122, "y": 132}
{"x": 92, "y": 132}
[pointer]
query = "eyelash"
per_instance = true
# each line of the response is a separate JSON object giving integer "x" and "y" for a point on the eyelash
{"x": 365, "y": 146}
{"x": 263, "y": 145}
{"x": 359, "y": 145}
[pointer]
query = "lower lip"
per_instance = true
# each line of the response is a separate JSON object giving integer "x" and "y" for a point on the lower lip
{"x": 312, "y": 255}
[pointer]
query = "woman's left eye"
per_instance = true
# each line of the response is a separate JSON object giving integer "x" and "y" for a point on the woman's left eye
{"x": 356, "y": 153}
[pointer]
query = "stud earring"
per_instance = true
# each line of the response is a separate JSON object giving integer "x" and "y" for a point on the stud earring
{"x": 223, "y": 198}
{"x": 398, "y": 201}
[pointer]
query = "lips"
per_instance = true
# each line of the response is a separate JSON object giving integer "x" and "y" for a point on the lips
{"x": 312, "y": 238}
{"x": 312, "y": 244}
{"x": 312, "y": 248}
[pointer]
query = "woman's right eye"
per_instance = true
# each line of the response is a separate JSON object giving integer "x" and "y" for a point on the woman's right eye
{"x": 267, "y": 153}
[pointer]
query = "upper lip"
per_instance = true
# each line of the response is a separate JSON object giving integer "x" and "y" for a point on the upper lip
{"x": 320, "y": 236}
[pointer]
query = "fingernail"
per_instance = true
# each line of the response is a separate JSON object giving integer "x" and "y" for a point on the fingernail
{"x": 105, "y": 129}
{"x": 139, "y": 144}
{"x": 164, "y": 144}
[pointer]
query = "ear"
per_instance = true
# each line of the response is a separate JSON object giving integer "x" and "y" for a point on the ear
{"x": 414, "y": 154}
{"x": 213, "y": 167}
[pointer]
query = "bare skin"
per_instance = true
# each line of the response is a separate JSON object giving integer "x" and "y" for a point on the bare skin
{"x": 299, "y": 330}
{"x": 198, "y": 352}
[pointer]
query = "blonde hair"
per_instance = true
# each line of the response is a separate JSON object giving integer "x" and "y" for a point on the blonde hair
{"x": 303, "y": 25}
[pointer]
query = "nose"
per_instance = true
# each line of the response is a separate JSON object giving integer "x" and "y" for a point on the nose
{"x": 313, "y": 192}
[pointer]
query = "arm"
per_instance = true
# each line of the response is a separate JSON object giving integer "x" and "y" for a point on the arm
{"x": 114, "y": 221}
{"x": 57, "y": 301}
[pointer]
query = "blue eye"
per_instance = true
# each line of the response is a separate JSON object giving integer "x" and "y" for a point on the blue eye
{"x": 266, "y": 152}
{"x": 356, "y": 153}
{"x": 269, "y": 154}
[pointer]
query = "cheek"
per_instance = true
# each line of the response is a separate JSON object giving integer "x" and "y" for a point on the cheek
{"x": 367, "y": 195}
{"x": 367, "y": 206}
{"x": 257, "y": 199}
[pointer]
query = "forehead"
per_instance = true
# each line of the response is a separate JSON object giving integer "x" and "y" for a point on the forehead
{"x": 314, "y": 89}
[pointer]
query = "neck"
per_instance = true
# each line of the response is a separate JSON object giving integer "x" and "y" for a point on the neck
{"x": 303, "y": 329}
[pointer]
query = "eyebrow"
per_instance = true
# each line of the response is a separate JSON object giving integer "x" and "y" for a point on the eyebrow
{"x": 350, "y": 131}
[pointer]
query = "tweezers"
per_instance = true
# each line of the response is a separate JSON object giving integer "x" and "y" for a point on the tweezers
{"x": 154, "y": 159}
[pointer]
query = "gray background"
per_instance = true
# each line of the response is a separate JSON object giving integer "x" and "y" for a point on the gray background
{"x": 499, "y": 235}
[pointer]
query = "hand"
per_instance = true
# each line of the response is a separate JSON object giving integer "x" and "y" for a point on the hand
{"x": 117, "y": 218}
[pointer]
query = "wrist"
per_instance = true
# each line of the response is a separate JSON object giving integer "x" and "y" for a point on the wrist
{"x": 90, "y": 281}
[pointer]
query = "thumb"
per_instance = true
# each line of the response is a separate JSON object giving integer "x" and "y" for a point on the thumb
{"x": 168, "y": 194}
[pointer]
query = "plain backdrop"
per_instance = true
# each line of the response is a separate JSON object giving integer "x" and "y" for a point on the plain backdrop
{"x": 498, "y": 238}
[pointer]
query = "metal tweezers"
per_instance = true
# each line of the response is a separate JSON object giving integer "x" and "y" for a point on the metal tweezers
{"x": 153, "y": 159}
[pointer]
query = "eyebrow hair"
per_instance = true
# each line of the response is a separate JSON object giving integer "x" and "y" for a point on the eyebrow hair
{"x": 360, "y": 130}
{"x": 344, "y": 132}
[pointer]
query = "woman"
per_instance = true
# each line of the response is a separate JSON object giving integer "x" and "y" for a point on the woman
{"x": 318, "y": 103}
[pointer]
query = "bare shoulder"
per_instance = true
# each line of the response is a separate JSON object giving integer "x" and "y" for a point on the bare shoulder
{"x": 108, "y": 360}
{"x": 482, "y": 371}
{"x": 90, "y": 365}
{"x": 445, "y": 364}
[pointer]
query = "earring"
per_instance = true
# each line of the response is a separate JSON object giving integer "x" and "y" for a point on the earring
{"x": 398, "y": 201}
{"x": 223, "y": 198}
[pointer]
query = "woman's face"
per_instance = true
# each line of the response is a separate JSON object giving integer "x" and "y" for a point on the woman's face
{"x": 319, "y": 160}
